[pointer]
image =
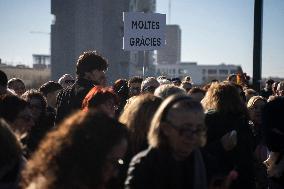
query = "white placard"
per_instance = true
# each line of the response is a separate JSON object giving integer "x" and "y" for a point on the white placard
{"x": 143, "y": 31}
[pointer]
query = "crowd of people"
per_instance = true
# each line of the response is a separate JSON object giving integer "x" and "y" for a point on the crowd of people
{"x": 140, "y": 133}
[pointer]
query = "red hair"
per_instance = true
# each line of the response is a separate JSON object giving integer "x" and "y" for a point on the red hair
{"x": 98, "y": 95}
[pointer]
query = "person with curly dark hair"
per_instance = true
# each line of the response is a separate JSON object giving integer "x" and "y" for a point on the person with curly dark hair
{"x": 90, "y": 70}
{"x": 85, "y": 152}
{"x": 38, "y": 106}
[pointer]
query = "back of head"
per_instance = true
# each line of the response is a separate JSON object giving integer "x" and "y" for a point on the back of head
{"x": 135, "y": 79}
{"x": 253, "y": 99}
{"x": 74, "y": 155}
{"x": 176, "y": 81}
{"x": 187, "y": 79}
{"x": 269, "y": 81}
{"x": 3, "y": 79}
{"x": 89, "y": 61}
{"x": 98, "y": 95}
{"x": 195, "y": 90}
{"x": 224, "y": 97}
{"x": 11, "y": 106}
{"x": 33, "y": 93}
{"x": 49, "y": 87}
{"x": 149, "y": 84}
{"x": 120, "y": 87}
{"x": 66, "y": 80}
{"x": 165, "y": 91}
{"x": 14, "y": 80}
{"x": 137, "y": 116}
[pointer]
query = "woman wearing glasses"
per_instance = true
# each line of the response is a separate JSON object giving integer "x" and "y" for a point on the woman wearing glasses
{"x": 173, "y": 159}
{"x": 85, "y": 152}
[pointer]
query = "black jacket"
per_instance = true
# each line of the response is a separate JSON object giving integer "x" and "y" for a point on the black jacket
{"x": 70, "y": 99}
{"x": 220, "y": 162}
{"x": 156, "y": 168}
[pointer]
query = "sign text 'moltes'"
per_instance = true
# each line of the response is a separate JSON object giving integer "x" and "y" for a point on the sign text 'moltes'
{"x": 143, "y": 31}
{"x": 146, "y": 25}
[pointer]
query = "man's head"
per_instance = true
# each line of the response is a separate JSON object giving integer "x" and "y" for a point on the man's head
{"x": 176, "y": 81}
{"x": 66, "y": 80}
{"x": 280, "y": 89}
{"x": 92, "y": 66}
{"x": 149, "y": 85}
{"x": 268, "y": 84}
{"x": 50, "y": 90}
{"x": 232, "y": 78}
{"x": 17, "y": 85}
{"x": 134, "y": 85}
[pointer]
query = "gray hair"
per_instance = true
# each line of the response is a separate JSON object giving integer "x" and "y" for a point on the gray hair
{"x": 167, "y": 90}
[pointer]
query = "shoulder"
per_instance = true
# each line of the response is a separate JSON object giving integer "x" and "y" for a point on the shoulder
{"x": 146, "y": 155}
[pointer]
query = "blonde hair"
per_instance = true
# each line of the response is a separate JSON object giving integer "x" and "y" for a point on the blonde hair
{"x": 224, "y": 97}
{"x": 253, "y": 100}
{"x": 137, "y": 116}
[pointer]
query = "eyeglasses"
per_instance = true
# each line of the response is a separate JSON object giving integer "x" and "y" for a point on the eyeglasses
{"x": 186, "y": 129}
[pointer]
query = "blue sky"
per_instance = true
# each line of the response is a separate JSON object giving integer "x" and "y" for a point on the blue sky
{"x": 213, "y": 32}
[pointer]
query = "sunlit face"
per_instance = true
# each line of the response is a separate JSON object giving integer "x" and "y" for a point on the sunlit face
{"x": 182, "y": 131}
{"x": 114, "y": 161}
{"x": 97, "y": 76}
{"x": 23, "y": 122}
{"x": 256, "y": 110}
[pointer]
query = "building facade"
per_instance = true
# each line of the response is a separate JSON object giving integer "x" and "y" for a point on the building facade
{"x": 171, "y": 53}
{"x": 88, "y": 25}
{"x": 200, "y": 74}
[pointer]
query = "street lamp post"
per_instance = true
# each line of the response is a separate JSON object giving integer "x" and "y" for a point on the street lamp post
{"x": 257, "y": 44}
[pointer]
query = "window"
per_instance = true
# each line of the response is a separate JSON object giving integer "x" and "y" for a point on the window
{"x": 203, "y": 71}
{"x": 223, "y": 72}
{"x": 182, "y": 71}
{"x": 211, "y": 71}
{"x": 233, "y": 71}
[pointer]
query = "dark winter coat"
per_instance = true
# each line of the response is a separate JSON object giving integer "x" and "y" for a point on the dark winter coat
{"x": 220, "y": 162}
{"x": 70, "y": 99}
{"x": 156, "y": 168}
